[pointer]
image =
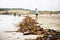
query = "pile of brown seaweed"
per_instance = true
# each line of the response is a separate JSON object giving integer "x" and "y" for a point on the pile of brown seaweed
{"x": 30, "y": 26}
{"x": 49, "y": 35}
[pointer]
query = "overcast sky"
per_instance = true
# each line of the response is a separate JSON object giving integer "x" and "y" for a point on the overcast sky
{"x": 31, "y": 4}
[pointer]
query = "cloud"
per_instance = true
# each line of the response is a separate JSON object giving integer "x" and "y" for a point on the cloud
{"x": 31, "y": 4}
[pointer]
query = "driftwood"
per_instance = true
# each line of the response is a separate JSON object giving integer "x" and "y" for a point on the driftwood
{"x": 10, "y": 31}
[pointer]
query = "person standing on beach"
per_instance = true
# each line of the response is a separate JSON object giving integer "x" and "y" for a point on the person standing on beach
{"x": 36, "y": 13}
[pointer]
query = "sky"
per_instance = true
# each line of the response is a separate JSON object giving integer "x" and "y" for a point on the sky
{"x": 31, "y": 4}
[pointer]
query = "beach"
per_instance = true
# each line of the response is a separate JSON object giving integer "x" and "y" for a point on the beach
{"x": 10, "y": 22}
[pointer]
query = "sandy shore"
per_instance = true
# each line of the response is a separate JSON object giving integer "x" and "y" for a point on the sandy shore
{"x": 9, "y": 23}
{"x": 49, "y": 21}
